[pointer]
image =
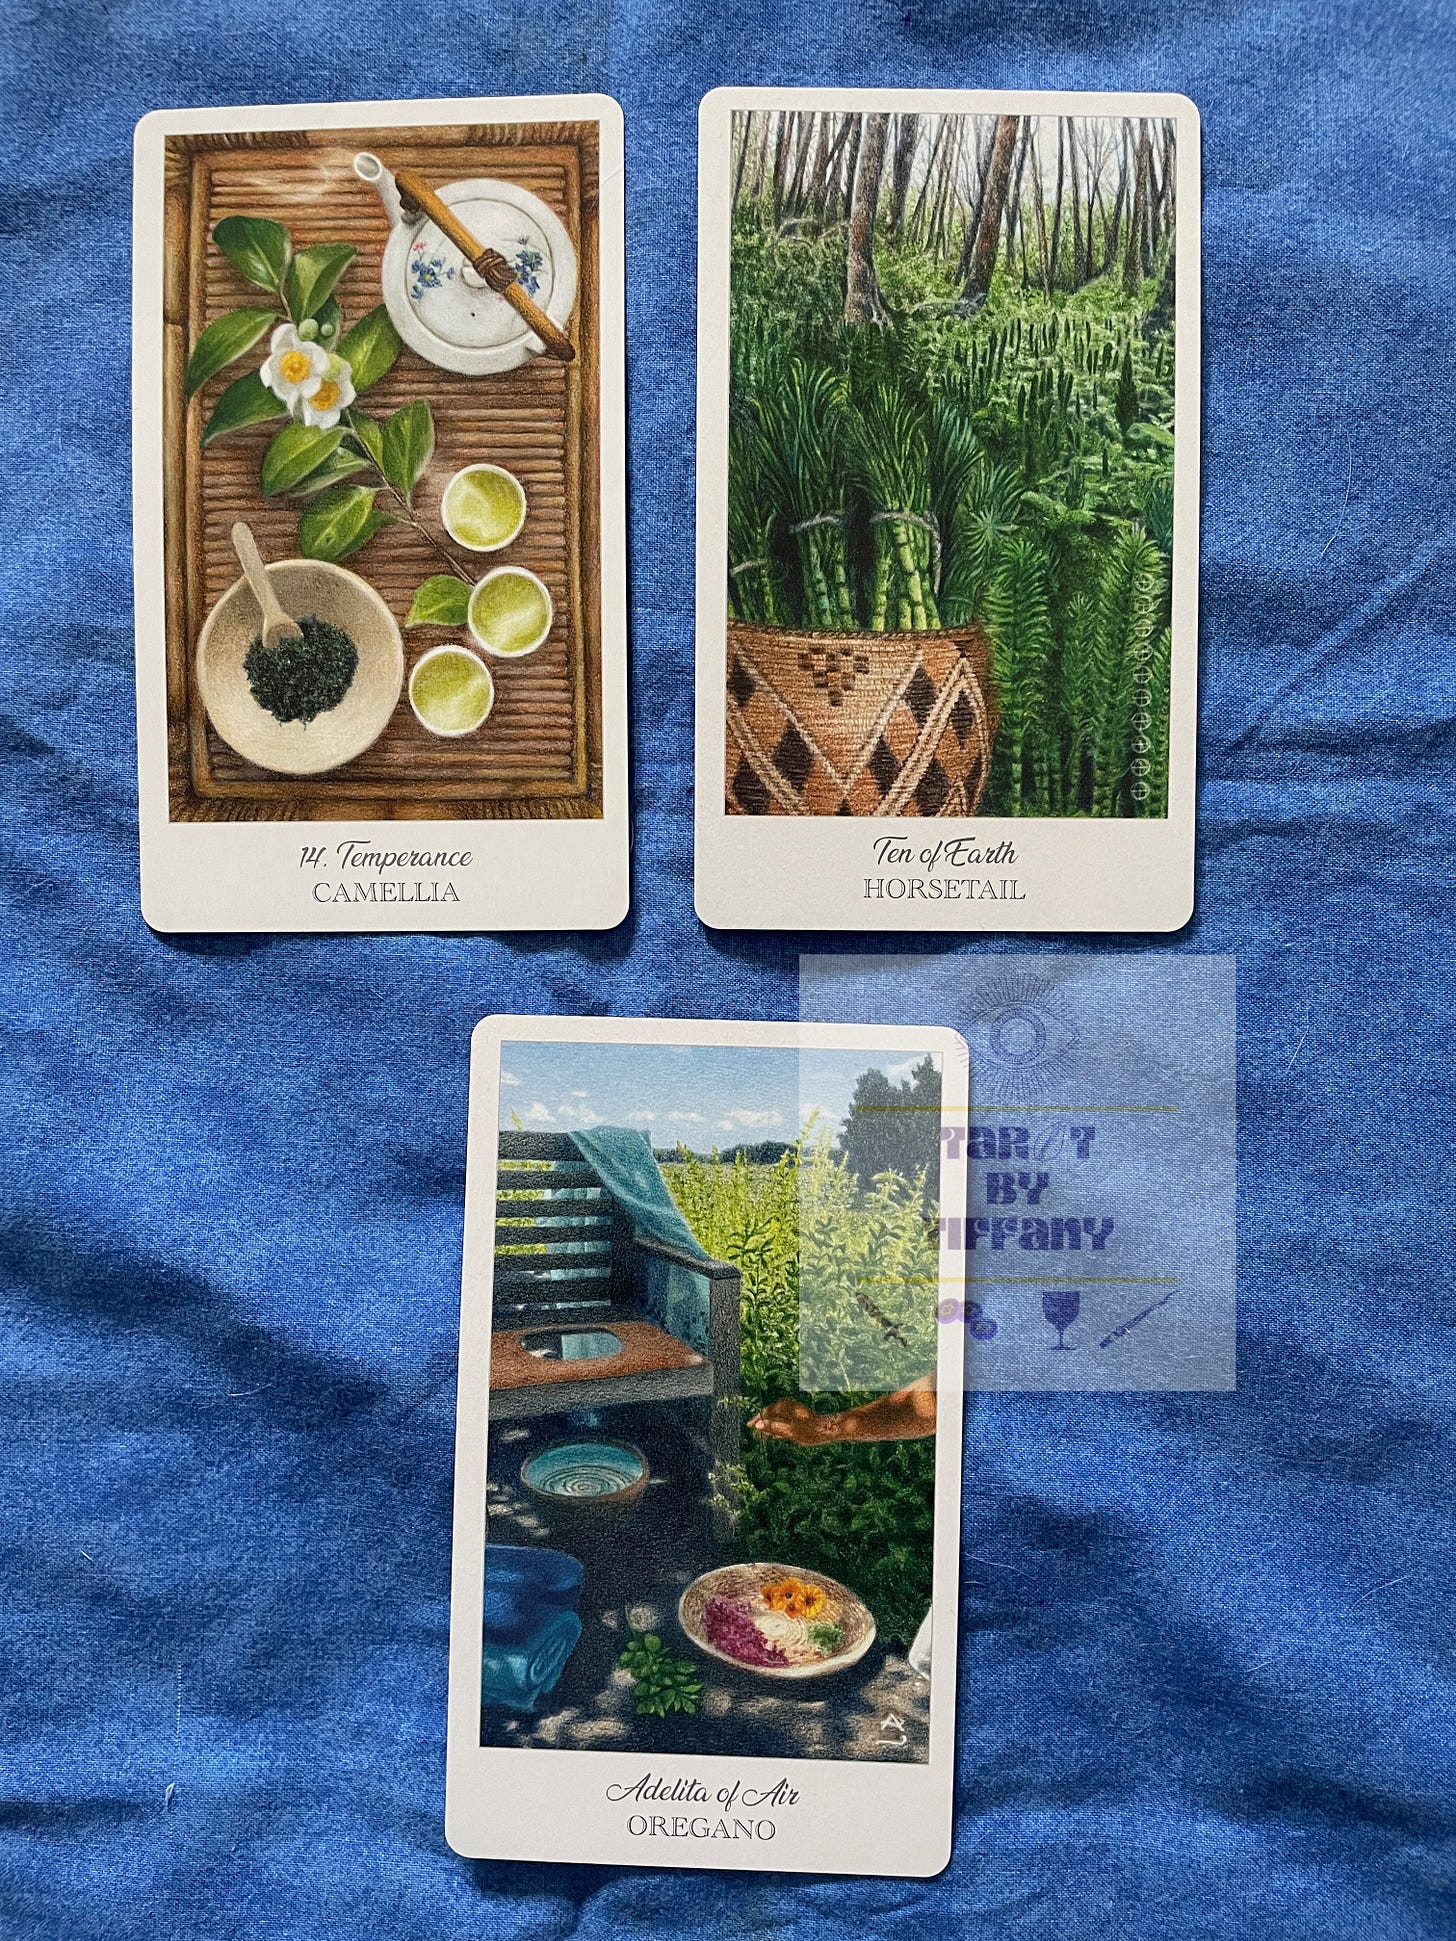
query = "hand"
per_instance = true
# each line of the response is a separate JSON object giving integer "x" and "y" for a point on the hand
{"x": 792, "y": 1421}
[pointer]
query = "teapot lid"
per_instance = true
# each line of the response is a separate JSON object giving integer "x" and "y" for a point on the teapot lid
{"x": 452, "y": 302}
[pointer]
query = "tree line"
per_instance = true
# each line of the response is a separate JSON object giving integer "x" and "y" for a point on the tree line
{"x": 1066, "y": 199}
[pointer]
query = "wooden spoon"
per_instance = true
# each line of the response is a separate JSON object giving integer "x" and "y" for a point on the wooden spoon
{"x": 277, "y": 626}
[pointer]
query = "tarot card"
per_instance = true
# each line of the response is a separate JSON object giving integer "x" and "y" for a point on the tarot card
{"x": 707, "y": 1491}
{"x": 380, "y": 538}
{"x": 947, "y": 597}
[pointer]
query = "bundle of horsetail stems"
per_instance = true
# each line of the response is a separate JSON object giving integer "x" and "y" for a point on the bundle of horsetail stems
{"x": 864, "y": 497}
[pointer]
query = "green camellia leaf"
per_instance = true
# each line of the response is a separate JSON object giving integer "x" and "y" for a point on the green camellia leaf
{"x": 409, "y": 439}
{"x": 312, "y": 275}
{"x": 224, "y": 341}
{"x": 246, "y": 401}
{"x": 341, "y": 465}
{"x": 260, "y": 249}
{"x": 370, "y": 435}
{"x": 370, "y": 347}
{"x": 294, "y": 453}
{"x": 339, "y": 522}
{"x": 444, "y": 601}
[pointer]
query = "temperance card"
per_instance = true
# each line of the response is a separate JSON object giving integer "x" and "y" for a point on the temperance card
{"x": 379, "y": 527}
{"x": 707, "y": 1495}
{"x": 947, "y": 600}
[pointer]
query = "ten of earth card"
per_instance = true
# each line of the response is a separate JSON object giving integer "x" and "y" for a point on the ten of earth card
{"x": 707, "y": 1491}
{"x": 379, "y": 516}
{"x": 948, "y": 390}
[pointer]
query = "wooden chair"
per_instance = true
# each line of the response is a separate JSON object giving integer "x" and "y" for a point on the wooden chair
{"x": 569, "y": 1265}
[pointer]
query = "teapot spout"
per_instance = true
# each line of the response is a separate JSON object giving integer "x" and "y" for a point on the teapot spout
{"x": 370, "y": 169}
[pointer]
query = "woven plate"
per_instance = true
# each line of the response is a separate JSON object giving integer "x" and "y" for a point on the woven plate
{"x": 737, "y": 1580}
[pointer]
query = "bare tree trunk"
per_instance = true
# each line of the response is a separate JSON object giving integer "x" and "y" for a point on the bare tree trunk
{"x": 943, "y": 220}
{"x": 1132, "y": 262}
{"x": 1114, "y": 228}
{"x": 845, "y": 189}
{"x": 907, "y": 134}
{"x": 1057, "y": 213}
{"x": 993, "y": 203}
{"x": 743, "y": 128}
{"x": 1074, "y": 164}
{"x": 780, "y": 166}
{"x": 1013, "y": 202}
{"x": 828, "y": 188}
{"x": 924, "y": 195}
{"x": 862, "y": 303}
{"x": 794, "y": 203}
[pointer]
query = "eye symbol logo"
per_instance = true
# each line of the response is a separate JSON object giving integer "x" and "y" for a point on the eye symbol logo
{"x": 1023, "y": 1043}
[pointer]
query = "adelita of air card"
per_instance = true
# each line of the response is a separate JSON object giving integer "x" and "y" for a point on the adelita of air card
{"x": 707, "y": 1508}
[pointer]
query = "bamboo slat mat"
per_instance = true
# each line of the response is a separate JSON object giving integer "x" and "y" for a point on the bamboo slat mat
{"x": 539, "y": 752}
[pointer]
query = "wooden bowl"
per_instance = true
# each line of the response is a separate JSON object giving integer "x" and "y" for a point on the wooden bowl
{"x": 304, "y": 586}
{"x": 736, "y": 1580}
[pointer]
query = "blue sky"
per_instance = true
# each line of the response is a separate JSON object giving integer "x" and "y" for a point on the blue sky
{"x": 703, "y": 1095}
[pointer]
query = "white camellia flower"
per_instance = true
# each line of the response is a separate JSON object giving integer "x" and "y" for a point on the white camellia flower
{"x": 334, "y": 394}
{"x": 294, "y": 370}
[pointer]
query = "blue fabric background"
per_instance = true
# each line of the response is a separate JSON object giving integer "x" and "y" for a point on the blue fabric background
{"x": 1207, "y": 1684}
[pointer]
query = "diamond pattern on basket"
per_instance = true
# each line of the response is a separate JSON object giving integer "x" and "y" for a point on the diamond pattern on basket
{"x": 856, "y": 724}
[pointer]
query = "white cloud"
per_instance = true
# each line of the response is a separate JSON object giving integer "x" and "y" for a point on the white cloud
{"x": 744, "y": 1119}
{"x": 640, "y": 1118}
{"x": 686, "y": 1118}
{"x": 905, "y": 1070}
{"x": 572, "y": 1112}
{"x": 539, "y": 1114}
{"x": 509, "y": 1078}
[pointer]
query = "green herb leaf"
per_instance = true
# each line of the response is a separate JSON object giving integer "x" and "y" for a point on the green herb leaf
{"x": 293, "y": 454}
{"x": 223, "y": 341}
{"x": 339, "y": 523}
{"x": 341, "y": 465}
{"x": 259, "y": 248}
{"x": 370, "y": 435}
{"x": 409, "y": 439}
{"x": 246, "y": 401}
{"x": 444, "y": 601}
{"x": 370, "y": 348}
{"x": 312, "y": 276}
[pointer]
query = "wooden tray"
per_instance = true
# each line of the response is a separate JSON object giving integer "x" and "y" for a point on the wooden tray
{"x": 540, "y": 752}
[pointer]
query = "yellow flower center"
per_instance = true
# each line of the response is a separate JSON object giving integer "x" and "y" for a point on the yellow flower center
{"x": 326, "y": 396}
{"x": 294, "y": 366}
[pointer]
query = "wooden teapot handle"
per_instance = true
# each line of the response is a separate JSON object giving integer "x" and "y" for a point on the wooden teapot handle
{"x": 489, "y": 265}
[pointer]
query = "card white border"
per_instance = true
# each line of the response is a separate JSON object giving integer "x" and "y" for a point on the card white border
{"x": 808, "y": 873}
{"x": 525, "y": 875}
{"x": 509, "y": 1803}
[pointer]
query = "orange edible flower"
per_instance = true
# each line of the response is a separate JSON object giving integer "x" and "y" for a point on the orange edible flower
{"x": 794, "y": 1598}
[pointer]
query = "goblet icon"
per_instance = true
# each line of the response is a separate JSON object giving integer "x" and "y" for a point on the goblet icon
{"x": 1061, "y": 1306}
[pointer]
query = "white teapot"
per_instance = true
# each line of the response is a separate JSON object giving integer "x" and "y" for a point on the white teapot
{"x": 468, "y": 310}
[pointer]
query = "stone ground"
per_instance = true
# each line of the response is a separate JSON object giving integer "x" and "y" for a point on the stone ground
{"x": 638, "y": 1561}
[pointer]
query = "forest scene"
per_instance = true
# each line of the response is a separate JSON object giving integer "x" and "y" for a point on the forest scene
{"x": 951, "y": 408}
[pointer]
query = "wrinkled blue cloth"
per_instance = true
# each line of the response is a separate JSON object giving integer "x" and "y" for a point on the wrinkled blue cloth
{"x": 624, "y": 1160}
{"x": 1206, "y": 1665}
{"x": 672, "y": 1295}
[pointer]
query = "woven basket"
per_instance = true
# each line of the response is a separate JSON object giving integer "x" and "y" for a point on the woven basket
{"x": 894, "y": 724}
{"x": 741, "y": 1580}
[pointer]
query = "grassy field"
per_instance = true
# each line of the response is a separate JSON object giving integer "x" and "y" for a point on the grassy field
{"x": 844, "y": 1281}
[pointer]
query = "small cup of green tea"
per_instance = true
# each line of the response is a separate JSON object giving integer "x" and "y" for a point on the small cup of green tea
{"x": 483, "y": 508}
{"x": 451, "y": 691}
{"x": 510, "y": 612}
